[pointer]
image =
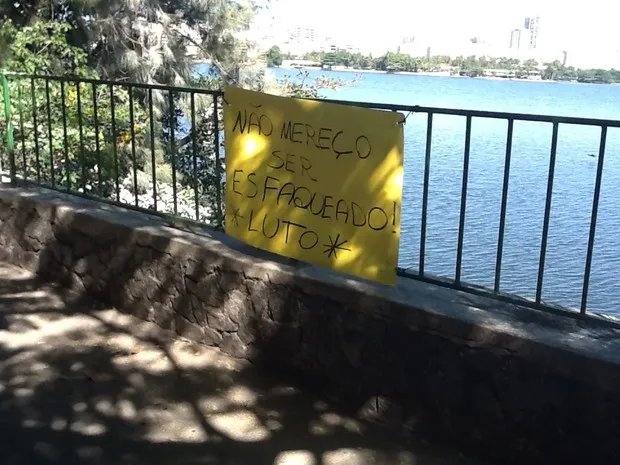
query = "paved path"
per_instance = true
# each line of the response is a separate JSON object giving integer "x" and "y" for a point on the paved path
{"x": 87, "y": 385}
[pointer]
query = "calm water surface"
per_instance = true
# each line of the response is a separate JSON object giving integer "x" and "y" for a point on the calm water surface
{"x": 572, "y": 191}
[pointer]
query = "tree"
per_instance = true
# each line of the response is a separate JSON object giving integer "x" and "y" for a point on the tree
{"x": 330, "y": 59}
{"x": 530, "y": 65}
{"x": 41, "y": 47}
{"x": 302, "y": 86}
{"x": 151, "y": 41}
{"x": 314, "y": 56}
{"x": 552, "y": 70}
{"x": 274, "y": 56}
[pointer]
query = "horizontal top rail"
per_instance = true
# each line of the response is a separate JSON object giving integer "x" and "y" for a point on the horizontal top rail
{"x": 106, "y": 82}
{"x": 378, "y": 106}
{"x": 481, "y": 113}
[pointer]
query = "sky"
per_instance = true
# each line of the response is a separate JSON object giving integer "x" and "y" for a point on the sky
{"x": 587, "y": 30}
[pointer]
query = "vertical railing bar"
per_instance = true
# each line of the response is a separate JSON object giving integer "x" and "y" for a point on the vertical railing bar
{"x": 153, "y": 162}
{"x": 64, "y": 134}
{"x": 132, "y": 133}
{"x": 459, "y": 250}
{"x": 114, "y": 142}
{"x": 595, "y": 200}
{"x": 4, "y": 90}
{"x": 172, "y": 121}
{"x": 194, "y": 150}
{"x": 10, "y": 141}
{"x": 97, "y": 146}
{"x": 427, "y": 167}
{"x": 36, "y": 130}
{"x": 547, "y": 217}
{"x": 20, "y": 105}
{"x": 81, "y": 135}
{"x": 218, "y": 162}
{"x": 504, "y": 204}
{"x": 49, "y": 129}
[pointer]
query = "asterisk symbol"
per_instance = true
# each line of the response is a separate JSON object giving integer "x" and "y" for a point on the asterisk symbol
{"x": 334, "y": 246}
{"x": 235, "y": 217}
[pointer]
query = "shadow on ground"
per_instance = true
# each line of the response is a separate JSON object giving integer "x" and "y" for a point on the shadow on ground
{"x": 83, "y": 384}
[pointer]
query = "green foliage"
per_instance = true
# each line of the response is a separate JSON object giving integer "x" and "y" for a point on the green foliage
{"x": 555, "y": 70}
{"x": 341, "y": 58}
{"x": 41, "y": 48}
{"x": 58, "y": 139}
{"x": 530, "y": 65}
{"x": 304, "y": 87}
{"x": 147, "y": 40}
{"x": 274, "y": 56}
{"x": 67, "y": 144}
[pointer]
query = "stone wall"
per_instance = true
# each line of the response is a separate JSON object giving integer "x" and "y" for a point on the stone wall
{"x": 497, "y": 380}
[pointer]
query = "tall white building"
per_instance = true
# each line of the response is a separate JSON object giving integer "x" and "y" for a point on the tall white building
{"x": 532, "y": 25}
{"x": 301, "y": 40}
{"x": 515, "y": 39}
{"x": 302, "y": 35}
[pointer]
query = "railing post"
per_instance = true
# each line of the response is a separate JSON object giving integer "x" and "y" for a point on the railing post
{"x": 504, "y": 206}
{"x": 10, "y": 144}
{"x": 427, "y": 168}
{"x": 545, "y": 232}
{"x": 218, "y": 166}
{"x": 592, "y": 236}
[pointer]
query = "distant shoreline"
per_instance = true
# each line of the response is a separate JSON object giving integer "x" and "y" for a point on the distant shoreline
{"x": 408, "y": 73}
{"x": 370, "y": 71}
{"x": 435, "y": 74}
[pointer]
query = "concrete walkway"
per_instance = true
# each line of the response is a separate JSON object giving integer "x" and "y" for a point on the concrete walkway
{"x": 87, "y": 385}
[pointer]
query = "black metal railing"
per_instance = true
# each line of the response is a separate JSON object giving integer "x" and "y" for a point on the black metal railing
{"x": 148, "y": 147}
{"x": 125, "y": 143}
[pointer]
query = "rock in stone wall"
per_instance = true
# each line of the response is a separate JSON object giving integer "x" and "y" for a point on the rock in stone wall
{"x": 489, "y": 392}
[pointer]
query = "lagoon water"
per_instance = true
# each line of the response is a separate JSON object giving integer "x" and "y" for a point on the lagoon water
{"x": 572, "y": 193}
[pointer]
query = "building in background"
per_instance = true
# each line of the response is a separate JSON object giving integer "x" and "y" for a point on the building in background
{"x": 327, "y": 45}
{"x": 532, "y": 24}
{"x": 408, "y": 45}
{"x": 524, "y": 41}
{"x": 302, "y": 35}
{"x": 301, "y": 40}
{"x": 515, "y": 39}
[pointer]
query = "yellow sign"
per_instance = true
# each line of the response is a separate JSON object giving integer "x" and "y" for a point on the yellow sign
{"x": 314, "y": 181}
